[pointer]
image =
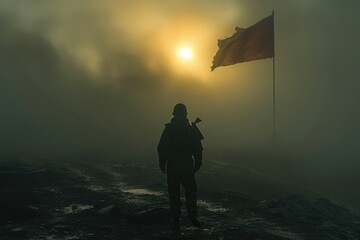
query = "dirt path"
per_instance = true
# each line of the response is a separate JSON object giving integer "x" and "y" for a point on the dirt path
{"x": 63, "y": 200}
{"x": 223, "y": 217}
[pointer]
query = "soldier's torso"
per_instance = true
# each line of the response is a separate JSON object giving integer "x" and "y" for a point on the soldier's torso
{"x": 179, "y": 142}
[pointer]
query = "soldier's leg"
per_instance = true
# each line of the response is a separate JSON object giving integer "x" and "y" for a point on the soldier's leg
{"x": 174, "y": 194}
{"x": 189, "y": 183}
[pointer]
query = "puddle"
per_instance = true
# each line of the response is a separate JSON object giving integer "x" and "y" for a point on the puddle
{"x": 212, "y": 207}
{"x": 142, "y": 191}
{"x": 97, "y": 188}
{"x": 53, "y": 237}
{"x": 111, "y": 172}
{"x": 137, "y": 201}
{"x": 76, "y": 208}
{"x": 118, "y": 165}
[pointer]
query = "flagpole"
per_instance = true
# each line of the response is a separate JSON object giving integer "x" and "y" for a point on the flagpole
{"x": 274, "y": 112}
{"x": 239, "y": 52}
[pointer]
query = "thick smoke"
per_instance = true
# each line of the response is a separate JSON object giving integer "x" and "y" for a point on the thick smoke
{"x": 95, "y": 79}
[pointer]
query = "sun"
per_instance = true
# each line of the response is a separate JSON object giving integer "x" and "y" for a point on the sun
{"x": 185, "y": 53}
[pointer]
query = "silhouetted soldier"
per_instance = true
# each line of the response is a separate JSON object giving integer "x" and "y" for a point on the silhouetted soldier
{"x": 180, "y": 156}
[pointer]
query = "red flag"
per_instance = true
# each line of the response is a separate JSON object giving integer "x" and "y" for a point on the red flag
{"x": 249, "y": 44}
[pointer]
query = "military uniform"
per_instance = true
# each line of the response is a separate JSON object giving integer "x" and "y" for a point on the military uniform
{"x": 180, "y": 153}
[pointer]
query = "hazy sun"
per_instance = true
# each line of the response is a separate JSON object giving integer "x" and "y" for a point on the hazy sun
{"x": 185, "y": 53}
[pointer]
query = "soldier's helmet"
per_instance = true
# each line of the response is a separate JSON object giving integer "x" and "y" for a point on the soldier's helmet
{"x": 180, "y": 110}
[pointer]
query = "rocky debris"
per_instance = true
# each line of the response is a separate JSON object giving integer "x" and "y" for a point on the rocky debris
{"x": 110, "y": 210}
{"x": 230, "y": 216}
{"x": 297, "y": 207}
{"x": 17, "y": 230}
{"x": 152, "y": 215}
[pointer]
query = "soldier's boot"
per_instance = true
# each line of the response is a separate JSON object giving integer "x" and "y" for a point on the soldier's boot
{"x": 194, "y": 221}
{"x": 175, "y": 228}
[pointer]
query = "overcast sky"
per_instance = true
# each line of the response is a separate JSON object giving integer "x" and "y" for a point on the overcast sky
{"x": 86, "y": 77}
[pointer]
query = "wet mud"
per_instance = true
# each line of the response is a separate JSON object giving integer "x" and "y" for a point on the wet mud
{"x": 87, "y": 200}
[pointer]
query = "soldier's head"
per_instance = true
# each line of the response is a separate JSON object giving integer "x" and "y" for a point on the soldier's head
{"x": 180, "y": 110}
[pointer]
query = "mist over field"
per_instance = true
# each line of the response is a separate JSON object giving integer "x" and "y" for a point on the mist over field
{"x": 97, "y": 81}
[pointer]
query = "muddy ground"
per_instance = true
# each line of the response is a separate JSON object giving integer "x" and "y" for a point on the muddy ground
{"x": 66, "y": 200}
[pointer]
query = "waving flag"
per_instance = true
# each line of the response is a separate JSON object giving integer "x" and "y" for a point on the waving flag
{"x": 247, "y": 44}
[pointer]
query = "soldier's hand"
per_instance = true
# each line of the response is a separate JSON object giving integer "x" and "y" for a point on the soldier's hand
{"x": 197, "y": 167}
{"x": 162, "y": 168}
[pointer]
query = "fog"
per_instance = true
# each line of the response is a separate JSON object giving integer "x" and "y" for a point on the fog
{"x": 99, "y": 79}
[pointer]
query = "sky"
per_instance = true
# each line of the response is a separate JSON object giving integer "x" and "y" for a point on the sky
{"x": 88, "y": 78}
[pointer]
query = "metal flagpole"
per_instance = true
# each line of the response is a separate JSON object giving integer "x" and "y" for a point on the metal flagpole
{"x": 274, "y": 113}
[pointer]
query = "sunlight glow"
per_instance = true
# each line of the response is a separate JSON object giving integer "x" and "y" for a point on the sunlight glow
{"x": 185, "y": 53}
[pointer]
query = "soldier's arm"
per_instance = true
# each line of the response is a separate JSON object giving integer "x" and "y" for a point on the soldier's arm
{"x": 162, "y": 149}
